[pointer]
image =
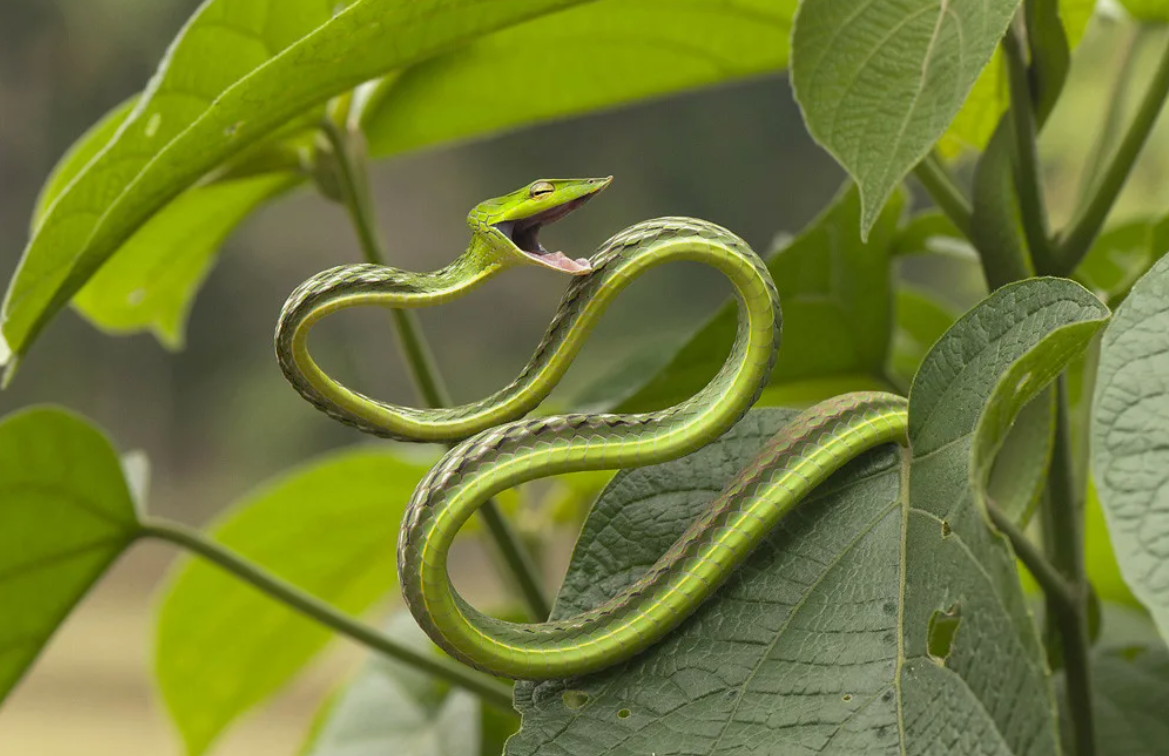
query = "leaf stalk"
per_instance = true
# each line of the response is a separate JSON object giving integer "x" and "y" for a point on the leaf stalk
{"x": 190, "y": 539}
{"x": 1027, "y": 181}
{"x": 1089, "y": 219}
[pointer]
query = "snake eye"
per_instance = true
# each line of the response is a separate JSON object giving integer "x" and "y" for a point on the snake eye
{"x": 540, "y": 188}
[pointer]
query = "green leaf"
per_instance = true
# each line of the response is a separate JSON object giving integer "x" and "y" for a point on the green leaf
{"x": 921, "y": 321}
{"x": 65, "y": 515}
{"x": 837, "y": 311}
{"x": 215, "y": 96}
{"x": 996, "y": 225}
{"x": 931, "y": 232}
{"x": 151, "y": 283}
{"x": 797, "y": 652}
{"x": 875, "y": 619}
{"x": 1130, "y": 695}
{"x": 1130, "y": 439}
{"x": 989, "y": 99}
{"x": 78, "y": 156}
{"x": 1148, "y": 11}
{"x": 329, "y": 528}
{"x": 968, "y": 392}
{"x": 624, "y": 50}
{"x": 1121, "y": 255}
{"x": 879, "y": 81}
{"x": 391, "y": 708}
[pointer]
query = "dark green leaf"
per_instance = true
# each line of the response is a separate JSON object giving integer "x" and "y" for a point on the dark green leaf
{"x": 837, "y": 308}
{"x": 65, "y": 515}
{"x": 1130, "y": 696}
{"x": 965, "y": 397}
{"x": 879, "y": 81}
{"x": 391, "y": 708}
{"x": 869, "y": 622}
{"x": 797, "y": 654}
{"x": 330, "y": 529}
{"x": 996, "y": 225}
{"x": 1130, "y": 439}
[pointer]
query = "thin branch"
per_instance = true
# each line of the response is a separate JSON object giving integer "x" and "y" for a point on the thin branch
{"x": 1089, "y": 218}
{"x": 1027, "y": 183}
{"x": 192, "y": 540}
{"x": 942, "y": 189}
{"x": 1044, "y": 572}
{"x": 1113, "y": 111}
{"x": 423, "y": 369}
{"x": 1063, "y": 539}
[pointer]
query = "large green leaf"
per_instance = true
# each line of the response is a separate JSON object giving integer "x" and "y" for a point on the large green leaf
{"x": 875, "y": 619}
{"x": 958, "y": 574}
{"x": 837, "y": 312}
{"x": 65, "y": 516}
{"x": 798, "y": 652}
{"x": 391, "y": 708}
{"x": 151, "y": 283}
{"x": 879, "y": 81}
{"x": 1130, "y": 439}
{"x": 1130, "y": 697}
{"x": 330, "y": 529}
{"x": 237, "y": 74}
{"x": 592, "y": 56}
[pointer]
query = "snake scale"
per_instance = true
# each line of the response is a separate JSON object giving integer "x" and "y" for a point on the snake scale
{"x": 497, "y": 450}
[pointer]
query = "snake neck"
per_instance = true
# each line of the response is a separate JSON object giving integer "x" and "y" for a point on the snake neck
{"x": 362, "y": 285}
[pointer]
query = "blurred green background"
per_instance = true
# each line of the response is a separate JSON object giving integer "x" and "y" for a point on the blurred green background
{"x": 217, "y": 418}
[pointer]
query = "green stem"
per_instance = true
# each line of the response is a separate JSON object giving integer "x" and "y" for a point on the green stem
{"x": 192, "y": 540}
{"x": 1050, "y": 580}
{"x": 1113, "y": 111}
{"x": 944, "y": 192}
{"x": 1027, "y": 184}
{"x": 1063, "y": 540}
{"x": 420, "y": 359}
{"x": 1089, "y": 218}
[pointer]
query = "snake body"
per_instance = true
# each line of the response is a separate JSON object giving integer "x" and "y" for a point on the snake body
{"x": 499, "y": 451}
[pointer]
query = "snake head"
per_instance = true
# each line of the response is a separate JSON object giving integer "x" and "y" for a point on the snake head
{"x": 512, "y": 223}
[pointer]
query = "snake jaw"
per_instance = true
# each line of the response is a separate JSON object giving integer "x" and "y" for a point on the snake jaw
{"x": 524, "y": 233}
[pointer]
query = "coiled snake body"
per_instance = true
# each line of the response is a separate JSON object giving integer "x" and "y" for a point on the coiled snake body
{"x": 498, "y": 451}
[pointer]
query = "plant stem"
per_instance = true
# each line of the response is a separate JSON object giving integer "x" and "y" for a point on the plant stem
{"x": 1113, "y": 111}
{"x": 940, "y": 186}
{"x": 420, "y": 359}
{"x": 492, "y": 692}
{"x": 1027, "y": 184}
{"x": 1049, "y": 579}
{"x": 1089, "y": 218}
{"x": 1063, "y": 540}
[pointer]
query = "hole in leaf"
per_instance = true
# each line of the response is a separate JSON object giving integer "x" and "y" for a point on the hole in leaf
{"x": 574, "y": 699}
{"x": 624, "y": 714}
{"x": 946, "y": 530}
{"x": 942, "y": 631}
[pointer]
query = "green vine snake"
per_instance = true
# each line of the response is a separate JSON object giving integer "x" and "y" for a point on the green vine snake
{"x": 498, "y": 451}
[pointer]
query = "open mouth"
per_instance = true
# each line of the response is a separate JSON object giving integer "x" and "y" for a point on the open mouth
{"x": 525, "y": 234}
